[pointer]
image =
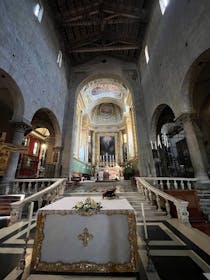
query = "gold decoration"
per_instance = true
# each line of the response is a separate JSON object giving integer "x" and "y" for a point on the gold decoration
{"x": 39, "y": 265}
{"x": 5, "y": 149}
{"x": 85, "y": 237}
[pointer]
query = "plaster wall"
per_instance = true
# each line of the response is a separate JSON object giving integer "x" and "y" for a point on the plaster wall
{"x": 28, "y": 53}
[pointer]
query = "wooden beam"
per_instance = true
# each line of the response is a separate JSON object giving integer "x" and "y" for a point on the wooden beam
{"x": 104, "y": 49}
{"x": 97, "y": 22}
{"x": 124, "y": 10}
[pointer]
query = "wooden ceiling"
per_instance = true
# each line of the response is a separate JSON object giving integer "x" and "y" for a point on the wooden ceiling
{"x": 95, "y": 27}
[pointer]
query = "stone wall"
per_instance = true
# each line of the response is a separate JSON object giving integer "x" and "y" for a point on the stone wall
{"x": 28, "y": 53}
{"x": 174, "y": 40}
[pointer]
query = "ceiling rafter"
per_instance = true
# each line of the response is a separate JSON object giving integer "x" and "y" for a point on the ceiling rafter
{"x": 104, "y": 49}
{"x": 95, "y": 27}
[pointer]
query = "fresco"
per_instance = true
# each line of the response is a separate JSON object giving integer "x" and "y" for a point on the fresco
{"x": 104, "y": 89}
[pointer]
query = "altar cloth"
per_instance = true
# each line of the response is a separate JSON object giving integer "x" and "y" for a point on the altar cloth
{"x": 73, "y": 241}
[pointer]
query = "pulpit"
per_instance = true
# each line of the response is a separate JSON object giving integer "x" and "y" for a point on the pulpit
{"x": 68, "y": 240}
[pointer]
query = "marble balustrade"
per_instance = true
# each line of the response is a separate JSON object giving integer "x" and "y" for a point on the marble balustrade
{"x": 54, "y": 190}
{"x": 157, "y": 196}
{"x": 172, "y": 183}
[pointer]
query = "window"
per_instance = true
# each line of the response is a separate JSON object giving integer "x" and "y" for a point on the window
{"x": 59, "y": 59}
{"x": 163, "y": 5}
{"x": 38, "y": 11}
{"x": 36, "y": 148}
{"x": 146, "y": 52}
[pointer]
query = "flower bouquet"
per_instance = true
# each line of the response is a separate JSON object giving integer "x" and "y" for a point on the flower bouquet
{"x": 88, "y": 205}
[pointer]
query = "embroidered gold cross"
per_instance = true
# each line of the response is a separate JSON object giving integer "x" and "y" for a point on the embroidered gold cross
{"x": 85, "y": 237}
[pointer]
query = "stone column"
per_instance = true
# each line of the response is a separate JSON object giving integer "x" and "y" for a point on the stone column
{"x": 57, "y": 152}
{"x": 20, "y": 128}
{"x": 93, "y": 148}
{"x": 194, "y": 147}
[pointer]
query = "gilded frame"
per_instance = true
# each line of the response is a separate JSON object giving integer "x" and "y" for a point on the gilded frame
{"x": 115, "y": 135}
{"x": 38, "y": 265}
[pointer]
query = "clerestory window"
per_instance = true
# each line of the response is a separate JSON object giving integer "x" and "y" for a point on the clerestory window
{"x": 163, "y": 5}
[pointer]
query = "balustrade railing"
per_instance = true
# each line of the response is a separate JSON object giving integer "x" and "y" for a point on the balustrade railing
{"x": 48, "y": 190}
{"x": 162, "y": 199}
{"x": 30, "y": 186}
{"x": 171, "y": 183}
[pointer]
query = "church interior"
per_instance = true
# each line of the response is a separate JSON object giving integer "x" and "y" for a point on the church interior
{"x": 105, "y": 139}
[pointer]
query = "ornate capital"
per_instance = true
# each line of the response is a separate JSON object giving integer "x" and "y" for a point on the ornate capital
{"x": 22, "y": 126}
{"x": 185, "y": 117}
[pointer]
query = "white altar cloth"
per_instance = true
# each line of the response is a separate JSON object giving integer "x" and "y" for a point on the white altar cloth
{"x": 112, "y": 245}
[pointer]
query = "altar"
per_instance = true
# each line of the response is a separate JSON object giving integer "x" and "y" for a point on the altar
{"x": 71, "y": 241}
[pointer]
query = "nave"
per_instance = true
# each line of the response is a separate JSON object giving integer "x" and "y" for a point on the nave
{"x": 176, "y": 250}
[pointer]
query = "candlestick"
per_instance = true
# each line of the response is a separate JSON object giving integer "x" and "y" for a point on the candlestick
{"x": 30, "y": 219}
{"x": 144, "y": 221}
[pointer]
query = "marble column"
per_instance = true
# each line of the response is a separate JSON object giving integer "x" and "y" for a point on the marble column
{"x": 194, "y": 146}
{"x": 19, "y": 131}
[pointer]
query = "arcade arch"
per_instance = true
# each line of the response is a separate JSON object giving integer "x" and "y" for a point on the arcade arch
{"x": 42, "y": 157}
{"x": 105, "y": 135}
{"x": 169, "y": 147}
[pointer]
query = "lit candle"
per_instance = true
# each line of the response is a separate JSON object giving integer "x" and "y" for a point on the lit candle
{"x": 30, "y": 219}
{"x": 144, "y": 221}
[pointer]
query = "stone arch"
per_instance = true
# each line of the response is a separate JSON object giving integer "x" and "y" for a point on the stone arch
{"x": 155, "y": 118}
{"x": 196, "y": 92}
{"x": 189, "y": 79}
{"x": 123, "y": 103}
{"x": 9, "y": 84}
{"x": 46, "y": 118}
{"x": 43, "y": 142}
{"x": 11, "y": 105}
{"x": 120, "y": 79}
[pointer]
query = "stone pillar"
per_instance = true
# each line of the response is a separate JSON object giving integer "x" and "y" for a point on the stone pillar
{"x": 93, "y": 148}
{"x": 57, "y": 153}
{"x": 120, "y": 146}
{"x": 194, "y": 147}
{"x": 20, "y": 128}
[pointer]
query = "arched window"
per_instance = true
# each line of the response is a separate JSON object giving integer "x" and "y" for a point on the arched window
{"x": 38, "y": 11}
{"x": 59, "y": 58}
{"x": 163, "y": 5}
{"x": 146, "y": 52}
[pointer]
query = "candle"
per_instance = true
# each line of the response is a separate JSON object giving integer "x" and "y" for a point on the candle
{"x": 30, "y": 218}
{"x": 144, "y": 221}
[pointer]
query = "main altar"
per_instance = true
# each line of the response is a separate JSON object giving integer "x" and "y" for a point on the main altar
{"x": 68, "y": 240}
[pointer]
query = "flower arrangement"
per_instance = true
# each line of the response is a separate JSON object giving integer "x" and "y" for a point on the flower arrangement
{"x": 88, "y": 205}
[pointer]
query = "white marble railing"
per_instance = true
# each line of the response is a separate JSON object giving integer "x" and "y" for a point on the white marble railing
{"x": 171, "y": 183}
{"x": 30, "y": 186}
{"x": 162, "y": 199}
{"x": 49, "y": 194}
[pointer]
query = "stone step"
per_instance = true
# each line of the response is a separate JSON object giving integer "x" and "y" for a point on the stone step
{"x": 152, "y": 218}
{"x": 148, "y": 207}
{"x": 149, "y": 213}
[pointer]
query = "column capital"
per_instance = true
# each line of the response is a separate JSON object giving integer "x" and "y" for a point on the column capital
{"x": 185, "y": 117}
{"x": 57, "y": 148}
{"x": 21, "y": 126}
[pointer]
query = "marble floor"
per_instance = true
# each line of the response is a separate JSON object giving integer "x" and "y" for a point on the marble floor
{"x": 175, "y": 252}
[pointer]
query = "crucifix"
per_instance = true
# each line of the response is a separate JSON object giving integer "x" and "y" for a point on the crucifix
{"x": 85, "y": 237}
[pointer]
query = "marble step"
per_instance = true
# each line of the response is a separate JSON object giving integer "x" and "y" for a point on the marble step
{"x": 150, "y": 212}
{"x": 148, "y": 207}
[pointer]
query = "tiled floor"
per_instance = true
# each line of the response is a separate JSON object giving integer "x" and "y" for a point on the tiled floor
{"x": 173, "y": 253}
{"x": 176, "y": 252}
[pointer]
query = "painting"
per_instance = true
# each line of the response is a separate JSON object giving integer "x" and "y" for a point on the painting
{"x": 107, "y": 145}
